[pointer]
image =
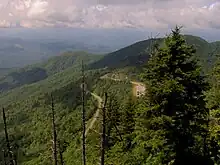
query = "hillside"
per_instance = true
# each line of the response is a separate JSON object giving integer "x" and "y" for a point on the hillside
{"x": 29, "y": 109}
{"x": 133, "y": 55}
{"x": 25, "y": 94}
{"x": 29, "y": 105}
{"x": 206, "y": 52}
{"x": 138, "y": 53}
{"x": 38, "y": 72}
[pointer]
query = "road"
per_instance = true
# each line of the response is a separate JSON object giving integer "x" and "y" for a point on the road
{"x": 90, "y": 125}
{"x": 135, "y": 84}
{"x": 96, "y": 115}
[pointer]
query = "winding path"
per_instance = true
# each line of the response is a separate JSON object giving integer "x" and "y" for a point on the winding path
{"x": 96, "y": 115}
{"x": 90, "y": 124}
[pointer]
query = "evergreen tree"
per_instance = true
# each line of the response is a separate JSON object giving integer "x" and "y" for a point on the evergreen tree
{"x": 172, "y": 121}
{"x": 128, "y": 123}
{"x": 213, "y": 98}
{"x": 112, "y": 122}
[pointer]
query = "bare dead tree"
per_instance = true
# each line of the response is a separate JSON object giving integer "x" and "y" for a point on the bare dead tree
{"x": 9, "y": 152}
{"x": 83, "y": 118}
{"x": 54, "y": 133}
{"x": 60, "y": 153}
{"x": 153, "y": 43}
{"x": 4, "y": 158}
{"x": 103, "y": 137}
{"x": 14, "y": 158}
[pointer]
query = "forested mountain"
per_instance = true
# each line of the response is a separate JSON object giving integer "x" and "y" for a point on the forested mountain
{"x": 134, "y": 56}
{"x": 176, "y": 122}
{"x": 138, "y": 53}
{"x": 41, "y": 71}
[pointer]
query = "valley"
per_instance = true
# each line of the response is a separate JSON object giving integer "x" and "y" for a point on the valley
{"x": 139, "y": 86}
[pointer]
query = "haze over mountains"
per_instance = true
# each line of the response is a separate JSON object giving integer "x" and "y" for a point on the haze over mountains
{"x": 50, "y": 48}
{"x": 135, "y": 55}
{"x": 24, "y": 91}
{"x": 20, "y": 46}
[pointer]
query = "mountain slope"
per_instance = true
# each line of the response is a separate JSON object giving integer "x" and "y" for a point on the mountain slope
{"x": 38, "y": 72}
{"x": 138, "y": 53}
{"x": 29, "y": 109}
{"x": 132, "y": 55}
{"x": 206, "y": 51}
{"x": 28, "y": 102}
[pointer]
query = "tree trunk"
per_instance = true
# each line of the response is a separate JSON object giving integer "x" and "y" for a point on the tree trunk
{"x": 103, "y": 131}
{"x": 83, "y": 117}
{"x": 7, "y": 139}
{"x": 61, "y": 154}
{"x": 5, "y": 163}
{"x": 54, "y": 133}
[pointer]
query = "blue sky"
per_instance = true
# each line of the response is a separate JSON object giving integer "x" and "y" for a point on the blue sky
{"x": 152, "y": 14}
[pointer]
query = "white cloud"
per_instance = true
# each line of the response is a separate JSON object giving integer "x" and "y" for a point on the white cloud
{"x": 37, "y": 8}
{"x": 114, "y": 13}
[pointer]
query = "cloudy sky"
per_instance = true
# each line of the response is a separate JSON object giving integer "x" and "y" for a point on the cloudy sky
{"x": 154, "y": 14}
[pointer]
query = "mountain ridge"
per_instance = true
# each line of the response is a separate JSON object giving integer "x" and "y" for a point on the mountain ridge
{"x": 138, "y": 53}
{"x": 135, "y": 55}
{"x": 28, "y": 102}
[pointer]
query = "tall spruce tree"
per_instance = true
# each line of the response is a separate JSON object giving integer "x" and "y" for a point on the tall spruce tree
{"x": 128, "y": 123}
{"x": 171, "y": 123}
{"x": 213, "y": 103}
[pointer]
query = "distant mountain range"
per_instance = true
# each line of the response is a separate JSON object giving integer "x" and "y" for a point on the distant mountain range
{"x": 135, "y": 55}
{"x": 17, "y": 52}
{"x": 26, "y": 94}
{"x": 20, "y": 46}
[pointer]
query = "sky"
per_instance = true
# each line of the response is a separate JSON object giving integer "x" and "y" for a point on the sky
{"x": 153, "y": 14}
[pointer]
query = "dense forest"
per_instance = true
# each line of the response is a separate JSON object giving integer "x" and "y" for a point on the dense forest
{"x": 66, "y": 112}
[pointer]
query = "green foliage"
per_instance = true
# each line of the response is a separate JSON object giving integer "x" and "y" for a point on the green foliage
{"x": 129, "y": 56}
{"x": 137, "y": 54}
{"x": 29, "y": 119}
{"x": 38, "y": 72}
{"x": 213, "y": 98}
{"x": 171, "y": 123}
{"x": 22, "y": 77}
